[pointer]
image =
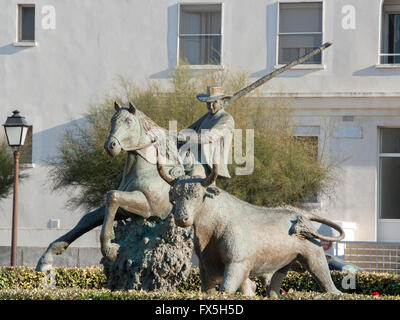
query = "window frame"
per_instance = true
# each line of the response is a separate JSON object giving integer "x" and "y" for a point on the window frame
{"x": 26, "y": 161}
{"x": 379, "y": 181}
{"x": 201, "y": 66}
{"x": 310, "y": 131}
{"x": 18, "y": 41}
{"x": 321, "y": 65}
{"x": 383, "y": 35}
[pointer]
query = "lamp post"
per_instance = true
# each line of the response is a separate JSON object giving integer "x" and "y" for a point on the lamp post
{"x": 16, "y": 129}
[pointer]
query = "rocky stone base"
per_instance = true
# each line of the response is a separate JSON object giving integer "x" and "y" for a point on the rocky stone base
{"x": 153, "y": 254}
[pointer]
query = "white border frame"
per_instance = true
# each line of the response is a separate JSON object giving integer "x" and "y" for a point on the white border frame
{"x": 320, "y": 66}
{"x": 18, "y": 42}
{"x": 378, "y": 180}
{"x": 381, "y": 20}
{"x": 201, "y": 66}
{"x": 318, "y": 204}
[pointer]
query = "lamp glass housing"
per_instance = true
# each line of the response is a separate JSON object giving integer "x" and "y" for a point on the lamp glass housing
{"x": 16, "y": 129}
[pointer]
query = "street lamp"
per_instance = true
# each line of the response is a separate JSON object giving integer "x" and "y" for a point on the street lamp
{"x": 16, "y": 129}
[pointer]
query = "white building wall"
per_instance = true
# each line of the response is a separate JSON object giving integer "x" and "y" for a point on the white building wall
{"x": 74, "y": 65}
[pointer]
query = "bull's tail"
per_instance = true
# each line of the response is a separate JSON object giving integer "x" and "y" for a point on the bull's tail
{"x": 307, "y": 230}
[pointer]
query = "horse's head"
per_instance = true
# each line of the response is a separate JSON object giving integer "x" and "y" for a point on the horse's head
{"x": 125, "y": 130}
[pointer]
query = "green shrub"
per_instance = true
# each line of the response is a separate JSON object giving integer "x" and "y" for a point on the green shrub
{"x": 28, "y": 278}
{"x": 366, "y": 283}
{"x": 103, "y": 294}
{"x": 94, "y": 278}
{"x": 6, "y": 169}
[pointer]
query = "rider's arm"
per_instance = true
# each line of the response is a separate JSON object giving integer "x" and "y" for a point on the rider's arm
{"x": 197, "y": 123}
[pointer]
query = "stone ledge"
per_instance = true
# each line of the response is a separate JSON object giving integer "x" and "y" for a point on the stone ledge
{"x": 72, "y": 257}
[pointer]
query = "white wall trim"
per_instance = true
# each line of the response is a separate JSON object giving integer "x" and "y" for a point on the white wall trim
{"x": 333, "y": 94}
{"x": 44, "y": 229}
{"x": 387, "y": 66}
{"x": 380, "y": 29}
{"x": 203, "y": 66}
{"x": 26, "y": 44}
{"x": 304, "y": 67}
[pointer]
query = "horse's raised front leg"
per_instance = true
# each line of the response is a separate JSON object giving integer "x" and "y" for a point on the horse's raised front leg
{"x": 134, "y": 202}
{"x": 85, "y": 224}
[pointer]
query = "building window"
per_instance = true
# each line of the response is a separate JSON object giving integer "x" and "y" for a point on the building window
{"x": 200, "y": 34}
{"x": 309, "y": 137}
{"x": 390, "y": 53}
{"x": 26, "y": 23}
{"x": 389, "y": 173}
{"x": 311, "y": 146}
{"x": 299, "y": 31}
{"x": 26, "y": 151}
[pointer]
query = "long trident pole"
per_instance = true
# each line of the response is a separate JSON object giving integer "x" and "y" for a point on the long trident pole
{"x": 275, "y": 73}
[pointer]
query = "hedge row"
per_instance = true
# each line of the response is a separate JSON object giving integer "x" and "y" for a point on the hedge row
{"x": 104, "y": 294}
{"x": 28, "y": 278}
{"x": 366, "y": 283}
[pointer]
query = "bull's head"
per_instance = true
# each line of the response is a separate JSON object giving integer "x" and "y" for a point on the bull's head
{"x": 188, "y": 193}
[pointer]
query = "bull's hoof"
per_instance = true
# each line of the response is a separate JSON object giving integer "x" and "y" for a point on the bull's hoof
{"x": 337, "y": 292}
{"x": 248, "y": 288}
{"x": 273, "y": 294}
{"x": 112, "y": 252}
{"x": 211, "y": 291}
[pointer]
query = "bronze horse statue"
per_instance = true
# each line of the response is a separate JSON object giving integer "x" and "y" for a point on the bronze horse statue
{"x": 141, "y": 191}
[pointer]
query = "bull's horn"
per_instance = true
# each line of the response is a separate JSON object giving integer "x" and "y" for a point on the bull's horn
{"x": 161, "y": 171}
{"x": 212, "y": 177}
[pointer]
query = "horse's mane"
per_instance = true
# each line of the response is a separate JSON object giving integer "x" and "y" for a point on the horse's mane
{"x": 166, "y": 142}
{"x": 147, "y": 123}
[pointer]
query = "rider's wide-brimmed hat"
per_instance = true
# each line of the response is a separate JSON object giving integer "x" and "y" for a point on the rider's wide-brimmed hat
{"x": 213, "y": 93}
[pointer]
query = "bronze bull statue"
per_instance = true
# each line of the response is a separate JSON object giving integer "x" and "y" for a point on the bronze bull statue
{"x": 235, "y": 240}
